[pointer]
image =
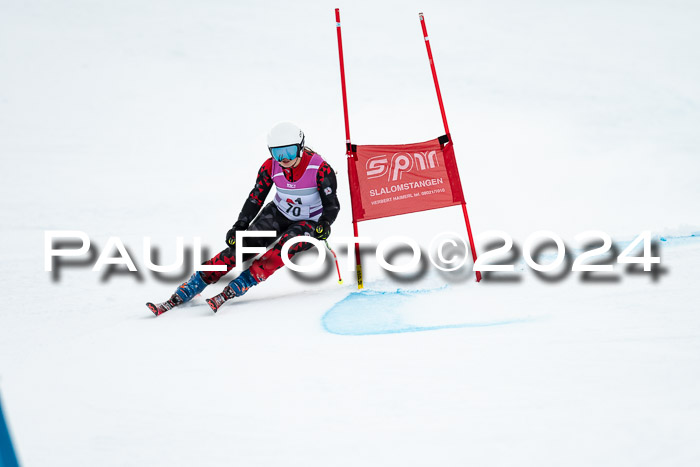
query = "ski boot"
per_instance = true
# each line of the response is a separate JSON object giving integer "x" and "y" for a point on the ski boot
{"x": 235, "y": 288}
{"x": 186, "y": 292}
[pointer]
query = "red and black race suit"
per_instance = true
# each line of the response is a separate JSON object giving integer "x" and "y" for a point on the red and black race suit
{"x": 270, "y": 218}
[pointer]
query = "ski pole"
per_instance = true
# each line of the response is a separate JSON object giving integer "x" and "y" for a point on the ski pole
{"x": 337, "y": 268}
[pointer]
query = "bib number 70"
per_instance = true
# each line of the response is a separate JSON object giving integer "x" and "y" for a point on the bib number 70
{"x": 293, "y": 208}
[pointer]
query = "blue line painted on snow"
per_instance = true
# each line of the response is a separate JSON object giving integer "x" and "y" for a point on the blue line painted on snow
{"x": 680, "y": 239}
{"x": 370, "y": 312}
{"x": 8, "y": 458}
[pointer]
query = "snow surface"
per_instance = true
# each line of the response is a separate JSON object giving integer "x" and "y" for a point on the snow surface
{"x": 136, "y": 119}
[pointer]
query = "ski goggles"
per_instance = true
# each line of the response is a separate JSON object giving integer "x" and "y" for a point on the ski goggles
{"x": 289, "y": 152}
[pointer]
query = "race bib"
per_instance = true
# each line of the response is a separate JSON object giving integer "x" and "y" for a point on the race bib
{"x": 293, "y": 209}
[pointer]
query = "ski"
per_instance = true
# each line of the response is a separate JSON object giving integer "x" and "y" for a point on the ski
{"x": 216, "y": 301}
{"x": 228, "y": 293}
{"x": 160, "y": 308}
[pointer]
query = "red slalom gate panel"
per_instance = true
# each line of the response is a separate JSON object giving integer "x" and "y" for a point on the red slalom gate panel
{"x": 390, "y": 180}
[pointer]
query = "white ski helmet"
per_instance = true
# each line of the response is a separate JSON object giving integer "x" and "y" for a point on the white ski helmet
{"x": 285, "y": 141}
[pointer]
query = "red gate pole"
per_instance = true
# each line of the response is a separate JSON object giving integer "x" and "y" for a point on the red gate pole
{"x": 447, "y": 132}
{"x": 348, "y": 145}
{"x": 342, "y": 82}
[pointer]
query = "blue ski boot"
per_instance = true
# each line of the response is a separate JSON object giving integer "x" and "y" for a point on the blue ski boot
{"x": 235, "y": 288}
{"x": 186, "y": 292}
{"x": 193, "y": 287}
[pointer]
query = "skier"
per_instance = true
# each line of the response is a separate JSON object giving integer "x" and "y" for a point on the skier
{"x": 306, "y": 203}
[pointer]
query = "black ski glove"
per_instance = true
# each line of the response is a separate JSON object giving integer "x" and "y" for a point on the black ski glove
{"x": 323, "y": 229}
{"x": 231, "y": 234}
